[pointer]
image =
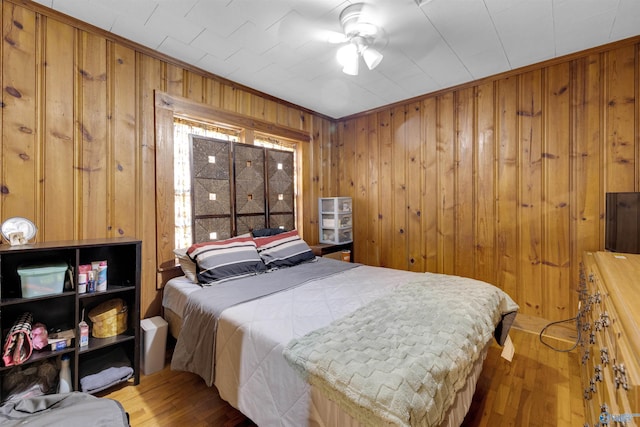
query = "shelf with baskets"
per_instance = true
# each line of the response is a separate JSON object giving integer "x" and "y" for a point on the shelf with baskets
{"x": 336, "y": 220}
{"x": 54, "y": 301}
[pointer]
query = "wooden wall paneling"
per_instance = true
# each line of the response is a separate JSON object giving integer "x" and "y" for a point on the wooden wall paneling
{"x": 530, "y": 209}
{"x": 398, "y": 240}
{"x": 228, "y": 97}
{"x": 558, "y": 290}
{"x": 164, "y": 188}
{"x": 587, "y": 189}
{"x": 213, "y": 93}
{"x": 270, "y": 111}
{"x": 332, "y": 181}
{"x": 321, "y": 166}
{"x": 429, "y": 200}
{"x": 507, "y": 161}
{"x": 174, "y": 80}
{"x": 304, "y": 177}
{"x": 296, "y": 118}
{"x": 385, "y": 187}
{"x": 345, "y": 139}
{"x": 194, "y": 86}
{"x": 257, "y": 107}
{"x": 464, "y": 178}
{"x": 372, "y": 256}
{"x": 485, "y": 184}
{"x": 244, "y": 103}
{"x": 310, "y": 186}
{"x": 414, "y": 181}
{"x": 282, "y": 117}
{"x": 20, "y": 109}
{"x": 619, "y": 119}
{"x": 347, "y": 168}
{"x": 59, "y": 213}
{"x": 124, "y": 147}
{"x": 446, "y": 179}
{"x": 149, "y": 74}
{"x": 92, "y": 122}
{"x": 361, "y": 189}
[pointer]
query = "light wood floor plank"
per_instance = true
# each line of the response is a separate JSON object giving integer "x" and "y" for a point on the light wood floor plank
{"x": 539, "y": 387}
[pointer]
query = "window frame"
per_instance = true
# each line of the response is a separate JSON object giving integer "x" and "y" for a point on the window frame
{"x": 167, "y": 107}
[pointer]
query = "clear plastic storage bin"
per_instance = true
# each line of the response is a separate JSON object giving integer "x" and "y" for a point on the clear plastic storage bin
{"x": 45, "y": 279}
{"x": 336, "y": 220}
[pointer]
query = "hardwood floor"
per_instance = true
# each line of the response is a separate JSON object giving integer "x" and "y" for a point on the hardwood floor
{"x": 539, "y": 387}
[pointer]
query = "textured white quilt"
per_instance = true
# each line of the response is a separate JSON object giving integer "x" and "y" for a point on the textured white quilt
{"x": 401, "y": 359}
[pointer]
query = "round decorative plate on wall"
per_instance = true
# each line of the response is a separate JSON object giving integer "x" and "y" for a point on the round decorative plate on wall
{"x": 12, "y": 227}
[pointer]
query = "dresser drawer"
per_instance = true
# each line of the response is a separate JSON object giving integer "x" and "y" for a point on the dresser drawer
{"x": 610, "y": 338}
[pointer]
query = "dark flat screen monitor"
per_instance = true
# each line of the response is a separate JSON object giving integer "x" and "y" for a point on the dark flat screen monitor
{"x": 622, "y": 227}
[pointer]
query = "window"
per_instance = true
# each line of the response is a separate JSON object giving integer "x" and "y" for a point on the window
{"x": 167, "y": 108}
{"x": 182, "y": 168}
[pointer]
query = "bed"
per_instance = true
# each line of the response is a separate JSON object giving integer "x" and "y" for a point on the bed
{"x": 291, "y": 346}
{"x": 316, "y": 341}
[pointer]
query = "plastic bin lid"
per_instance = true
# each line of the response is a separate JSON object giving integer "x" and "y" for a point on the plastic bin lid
{"x": 156, "y": 322}
{"x": 54, "y": 267}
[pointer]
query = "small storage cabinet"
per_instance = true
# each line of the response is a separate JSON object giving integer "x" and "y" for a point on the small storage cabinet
{"x": 336, "y": 219}
{"x": 63, "y": 310}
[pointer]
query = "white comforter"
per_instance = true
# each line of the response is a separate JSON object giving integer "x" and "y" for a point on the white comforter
{"x": 251, "y": 372}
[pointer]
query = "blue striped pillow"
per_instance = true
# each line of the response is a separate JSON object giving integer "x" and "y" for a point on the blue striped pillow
{"x": 225, "y": 259}
{"x": 283, "y": 250}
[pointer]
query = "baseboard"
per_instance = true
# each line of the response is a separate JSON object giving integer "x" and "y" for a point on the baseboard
{"x": 565, "y": 331}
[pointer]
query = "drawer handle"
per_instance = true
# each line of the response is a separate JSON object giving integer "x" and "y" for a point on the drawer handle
{"x": 604, "y": 319}
{"x": 598, "y": 373}
{"x": 620, "y": 376}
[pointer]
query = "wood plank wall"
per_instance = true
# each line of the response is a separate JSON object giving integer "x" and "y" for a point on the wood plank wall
{"x": 503, "y": 180}
{"x": 77, "y": 137}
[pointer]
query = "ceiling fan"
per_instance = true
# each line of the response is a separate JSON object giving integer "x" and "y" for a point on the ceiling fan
{"x": 361, "y": 34}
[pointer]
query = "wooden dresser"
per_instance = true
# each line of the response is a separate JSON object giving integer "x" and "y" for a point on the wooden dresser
{"x": 609, "y": 322}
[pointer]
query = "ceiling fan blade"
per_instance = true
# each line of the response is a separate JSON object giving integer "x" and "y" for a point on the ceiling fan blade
{"x": 334, "y": 37}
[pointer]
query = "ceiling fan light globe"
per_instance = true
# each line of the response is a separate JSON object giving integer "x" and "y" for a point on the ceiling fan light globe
{"x": 351, "y": 68}
{"x": 346, "y": 54}
{"x": 372, "y": 57}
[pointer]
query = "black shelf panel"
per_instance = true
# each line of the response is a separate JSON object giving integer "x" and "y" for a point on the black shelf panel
{"x": 13, "y": 301}
{"x": 98, "y": 343}
{"x": 38, "y": 355}
{"x": 111, "y": 289}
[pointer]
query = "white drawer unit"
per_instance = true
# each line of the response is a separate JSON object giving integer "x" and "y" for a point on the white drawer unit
{"x": 336, "y": 219}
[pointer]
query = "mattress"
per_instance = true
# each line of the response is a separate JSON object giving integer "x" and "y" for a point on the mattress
{"x": 251, "y": 372}
{"x": 174, "y": 299}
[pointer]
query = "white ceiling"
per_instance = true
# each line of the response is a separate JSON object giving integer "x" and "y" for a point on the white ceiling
{"x": 277, "y": 46}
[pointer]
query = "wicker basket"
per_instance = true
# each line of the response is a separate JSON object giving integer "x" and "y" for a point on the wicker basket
{"x": 109, "y": 318}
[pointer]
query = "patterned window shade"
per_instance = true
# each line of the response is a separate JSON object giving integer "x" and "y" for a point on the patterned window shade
{"x": 182, "y": 172}
{"x": 213, "y": 202}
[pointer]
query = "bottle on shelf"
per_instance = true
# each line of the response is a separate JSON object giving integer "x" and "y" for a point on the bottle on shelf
{"x": 64, "y": 384}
